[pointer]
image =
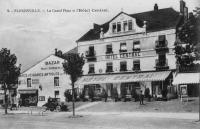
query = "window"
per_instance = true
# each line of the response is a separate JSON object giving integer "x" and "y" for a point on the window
{"x": 109, "y": 49}
{"x": 28, "y": 82}
{"x": 118, "y": 27}
{"x": 123, "y": 47}
{"x": 57, "y": 94}
{"x": 91, "y": 68}
{"x": 123, "y": 66}
{"x": 91, "y": 51}
{"x": 161, "y": 40}
{"x": 136, "y": 65}
{"x": 125, "y": 26}
{"x": 109, "y": 67}
{"x": 130, "y": 25}
{"x": 136, "y": 46}
{"x": 56, "y": 81}
{"x": 114, "y": 27}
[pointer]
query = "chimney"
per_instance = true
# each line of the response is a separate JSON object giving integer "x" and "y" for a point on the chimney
{"x": 145, "y": 27}
{"x": 101, "y": 33}
{"x": 182, "y": 6}
{"x": 155, "y": 7}
{"x": 185, "y": 13}
{"x": 56, "y": 50}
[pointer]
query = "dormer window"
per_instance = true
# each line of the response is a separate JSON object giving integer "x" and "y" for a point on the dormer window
{"x": 125, "y": 26}
{"x": 130, "y": 25}
{"x": 118, "y": 26}
{"x": 114, "y": 27}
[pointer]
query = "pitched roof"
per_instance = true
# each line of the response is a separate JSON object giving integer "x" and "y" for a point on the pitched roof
{"x": 74, "y": 50}
{"x": 156, "y": 20}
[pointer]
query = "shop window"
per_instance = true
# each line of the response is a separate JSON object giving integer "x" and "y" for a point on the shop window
{"x": 109, "y": 67}
{"x": 136, "y": 65}
{"x": 136, "y": 46}
{"x": 41, "y": 98}
{"x": 114, "y": 27}
{"x": 91, "y": 68}
{"x": 57, "y": 94}
{"x": 123, "y": 66}
{"x": 118, "y": 26}
{"x": 123, "y": 47}
{"x": 56, "y": 81}
{"x": 125, "y": 26}
{"x": 130, "y": 25}
{"x": 28, "y": 82}
{"x": 109, "y": 49}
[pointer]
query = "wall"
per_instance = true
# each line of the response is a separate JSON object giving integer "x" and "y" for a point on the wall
{"x": 147, "y": 56}
{"x": 42, "y": 74}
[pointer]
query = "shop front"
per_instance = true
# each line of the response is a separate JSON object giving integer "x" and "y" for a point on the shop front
{"x": 28, "y": 97}
{"x": 188, "y": 83}
{"x": 128, "y": 83}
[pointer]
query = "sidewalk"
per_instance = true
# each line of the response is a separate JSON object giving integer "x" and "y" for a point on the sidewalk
{"x": 192, "y": 116}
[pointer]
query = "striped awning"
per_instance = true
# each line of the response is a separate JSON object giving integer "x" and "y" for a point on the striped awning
{"x": 121, "y": 78}
{"x": 186, "y": 78}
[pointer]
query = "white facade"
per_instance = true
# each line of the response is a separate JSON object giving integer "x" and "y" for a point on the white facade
{"x": 130, "y": 43}
{"x": 47, "y": 78}
{"x": 147, "y": 55}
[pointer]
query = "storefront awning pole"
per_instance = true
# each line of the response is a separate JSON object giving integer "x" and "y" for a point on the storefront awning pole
{"x": 199, "y": 101}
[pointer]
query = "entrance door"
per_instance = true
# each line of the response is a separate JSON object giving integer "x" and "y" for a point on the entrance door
{"x": 109, "y": 88}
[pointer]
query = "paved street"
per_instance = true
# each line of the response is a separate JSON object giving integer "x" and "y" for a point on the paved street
{"x": 99, "y": 120}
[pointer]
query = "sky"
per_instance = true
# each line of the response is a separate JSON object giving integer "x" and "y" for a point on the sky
{"x": 32, "y": 36}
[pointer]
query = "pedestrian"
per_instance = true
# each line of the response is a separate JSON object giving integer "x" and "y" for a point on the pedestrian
{"x": 141, "y": 97}
{"x": 19, "y": 102}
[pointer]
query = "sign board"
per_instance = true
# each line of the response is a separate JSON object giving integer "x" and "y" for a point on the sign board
{"x": 183, "y": 92}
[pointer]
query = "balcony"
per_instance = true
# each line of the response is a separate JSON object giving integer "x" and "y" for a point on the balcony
{"x": 161, "y": 47}
{"x": 161, "y": 64}
{"x": 90, "y": 56}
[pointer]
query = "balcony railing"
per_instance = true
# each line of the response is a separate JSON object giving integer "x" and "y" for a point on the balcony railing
{"x": 161, "y": 64}
{"x": 161, "y": 47}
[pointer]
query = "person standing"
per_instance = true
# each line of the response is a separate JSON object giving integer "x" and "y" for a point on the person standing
{"x": 141, "y": 97}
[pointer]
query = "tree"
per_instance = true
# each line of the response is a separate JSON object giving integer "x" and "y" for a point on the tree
{"x": 73, "y": 66}
{"x": 187, "y": 45}
{"x": 9, "y": 72}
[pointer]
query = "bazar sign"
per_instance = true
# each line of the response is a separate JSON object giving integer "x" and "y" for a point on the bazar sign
{"x": 52, "y": 62}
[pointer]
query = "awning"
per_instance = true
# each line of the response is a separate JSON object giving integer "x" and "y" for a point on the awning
{"x": 120, "y": 78}
{"x": 186, "y": 78}
{"x": 27, "y": 91}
